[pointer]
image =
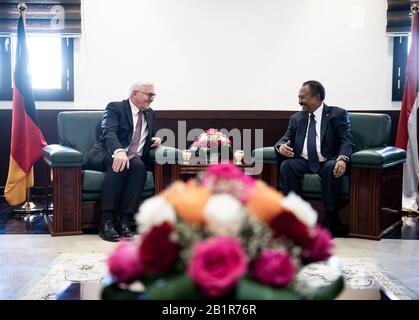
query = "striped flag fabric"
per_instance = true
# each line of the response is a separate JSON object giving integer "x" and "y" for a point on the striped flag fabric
{"x": 27, "y": 140}
{"x": 407, "y": 133}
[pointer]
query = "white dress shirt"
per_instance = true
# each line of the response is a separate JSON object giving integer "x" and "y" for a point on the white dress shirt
{"x": 144, "y": 128}
{"x": 318, "y": 118}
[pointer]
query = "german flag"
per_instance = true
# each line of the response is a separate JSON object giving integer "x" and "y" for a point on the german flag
{"x": 27, "y": 139}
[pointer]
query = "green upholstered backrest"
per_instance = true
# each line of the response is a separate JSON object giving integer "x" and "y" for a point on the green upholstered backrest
{"x": 370, "y": 130}
{"x": 79, "y": 129}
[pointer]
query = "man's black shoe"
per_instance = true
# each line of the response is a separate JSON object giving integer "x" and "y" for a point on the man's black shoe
{"x": 107, "y": 232}
{"x": 125, "y": 229}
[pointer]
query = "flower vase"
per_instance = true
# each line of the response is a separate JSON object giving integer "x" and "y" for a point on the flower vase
{"x": 209, "y": 155}
{"x": 213, "y": 156}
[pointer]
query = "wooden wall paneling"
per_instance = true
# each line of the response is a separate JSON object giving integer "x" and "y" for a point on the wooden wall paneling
{"x": 273, "y": 123}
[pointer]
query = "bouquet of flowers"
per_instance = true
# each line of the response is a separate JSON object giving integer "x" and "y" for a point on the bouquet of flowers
{"x": 212, "y": 144}
{"x": 209, "y": 138}
{"x": 221, "y": 235}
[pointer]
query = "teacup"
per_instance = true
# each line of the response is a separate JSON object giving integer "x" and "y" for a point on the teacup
{"x": 186, "y": 155}
{"x": 238, "y": 156}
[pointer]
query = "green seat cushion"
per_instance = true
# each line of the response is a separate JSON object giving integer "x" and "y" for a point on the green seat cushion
{"x": 93, "y": 181}
{"x": 90, "y": 196}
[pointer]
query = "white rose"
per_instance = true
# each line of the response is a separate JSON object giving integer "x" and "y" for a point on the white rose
{"x": 301, "y": 209}
{"x": 224, "y": 215}
{"x": 203, "y": 138}
{"x": 153, "y": 212}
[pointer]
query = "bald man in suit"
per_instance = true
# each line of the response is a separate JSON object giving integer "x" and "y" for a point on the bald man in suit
{"x": 318, "y": 140}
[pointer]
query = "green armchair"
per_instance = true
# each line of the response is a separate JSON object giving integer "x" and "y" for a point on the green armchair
{"x": 76, "y": 192}
{"x": 373, "y": 187}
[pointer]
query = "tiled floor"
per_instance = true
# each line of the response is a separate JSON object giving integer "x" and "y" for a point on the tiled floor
{"x": 25, "y": 258}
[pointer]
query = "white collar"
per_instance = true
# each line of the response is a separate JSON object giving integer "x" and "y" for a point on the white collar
{"x": 319, "y": 111}
{"x": 134, "y": 109}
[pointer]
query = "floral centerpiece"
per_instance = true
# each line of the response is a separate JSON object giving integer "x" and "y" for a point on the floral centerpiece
{"x": 212, "y": 144}
{"x": 222, "y": 235}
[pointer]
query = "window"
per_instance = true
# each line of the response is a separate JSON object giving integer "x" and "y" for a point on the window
{"x": 50, "y": 63}
{"x": 400, "y": 51}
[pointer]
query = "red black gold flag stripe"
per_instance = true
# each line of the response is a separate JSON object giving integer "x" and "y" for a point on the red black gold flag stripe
{"x": 27, "y": 139}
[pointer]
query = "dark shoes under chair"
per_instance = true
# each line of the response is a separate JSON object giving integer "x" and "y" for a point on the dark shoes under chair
{"x": 107, "y": 231}
{"x": 125, "y": 229}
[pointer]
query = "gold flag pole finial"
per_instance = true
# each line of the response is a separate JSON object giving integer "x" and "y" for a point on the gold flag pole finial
{"x": 22, "y": 10}
{"x": 22, "y": 7}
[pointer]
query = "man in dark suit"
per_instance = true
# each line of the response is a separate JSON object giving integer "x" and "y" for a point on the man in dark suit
{"x": 128, "y": 129}
{"x": 318, "y": 140}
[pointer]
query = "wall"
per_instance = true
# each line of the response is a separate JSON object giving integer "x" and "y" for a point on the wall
{"x": 233, "y": 54}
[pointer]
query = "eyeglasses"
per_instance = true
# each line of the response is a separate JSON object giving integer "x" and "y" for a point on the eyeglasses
{"x": 150, "y": 95}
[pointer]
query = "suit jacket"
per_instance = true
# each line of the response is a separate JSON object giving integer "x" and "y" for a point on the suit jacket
{"x": 117, "y": 129}
{"x": 335, "y": 133}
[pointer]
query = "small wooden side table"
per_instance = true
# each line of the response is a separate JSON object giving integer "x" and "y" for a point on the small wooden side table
{"x": 185, "y": 171}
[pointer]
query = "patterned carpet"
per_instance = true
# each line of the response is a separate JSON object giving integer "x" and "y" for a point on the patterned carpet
{"x": 67, "y": 268}
{"x": 363, "y": 280}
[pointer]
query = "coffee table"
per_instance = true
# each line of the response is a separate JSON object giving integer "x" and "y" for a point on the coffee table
{"x": 169, "y": 173}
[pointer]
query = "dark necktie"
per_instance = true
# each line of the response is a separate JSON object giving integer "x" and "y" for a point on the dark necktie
{"x": 135, "y": 142}
{"x": 313, "y": 158}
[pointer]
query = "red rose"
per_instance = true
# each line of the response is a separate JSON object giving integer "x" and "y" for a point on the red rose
{"x": 157, "y": 251}
{"x": 287, "y": 224}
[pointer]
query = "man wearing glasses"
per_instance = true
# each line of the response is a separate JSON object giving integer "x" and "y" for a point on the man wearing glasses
{"x": 128, "y": 133}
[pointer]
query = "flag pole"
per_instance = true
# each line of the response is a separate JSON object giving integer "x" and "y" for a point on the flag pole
{"x": 414, "y": 8}
{"x": 28, "y": 208}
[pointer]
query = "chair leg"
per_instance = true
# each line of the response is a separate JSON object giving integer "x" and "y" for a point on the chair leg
{"x": 375, "y": 201}
{"x": 66, "y": 217}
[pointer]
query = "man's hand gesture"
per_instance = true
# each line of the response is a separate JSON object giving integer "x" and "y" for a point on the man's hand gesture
{"x": 286, "y": 150}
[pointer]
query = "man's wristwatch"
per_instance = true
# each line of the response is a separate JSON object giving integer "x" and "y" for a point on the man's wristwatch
{"x": 343, "y": 158}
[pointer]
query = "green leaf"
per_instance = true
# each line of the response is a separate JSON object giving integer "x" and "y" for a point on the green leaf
{"x": 181, "y": 287}
{"x": 177, "y": 287}
{"x": 249, "y": 289}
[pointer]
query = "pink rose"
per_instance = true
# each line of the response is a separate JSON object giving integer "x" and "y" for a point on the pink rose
{"x": 217, "y": 264}
{"x": 212, "y": 131}
{"x": 227, "y": 178}
{"x": 287, "y": 224}
{"x": 320, "y": 247}
{"x": 124, "y": 263}
{"x": 274, "y": 268}
{"x": 225, "y": 171}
